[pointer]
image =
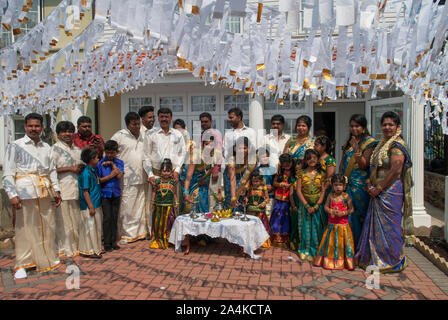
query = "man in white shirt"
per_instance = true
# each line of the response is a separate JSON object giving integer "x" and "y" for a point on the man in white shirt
{"x": 31, "y": 182}
{"x": 276, "y": 139}
{"x": 164, "y": 143}
{"x": 146, "y": 114}
{"x": 238, "y": 130}
{"x": 67, "y": 159}
{"x": 133, "y": 215}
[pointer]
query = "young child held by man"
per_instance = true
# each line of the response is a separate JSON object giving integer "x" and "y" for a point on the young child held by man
{"x": 110, "y": 170}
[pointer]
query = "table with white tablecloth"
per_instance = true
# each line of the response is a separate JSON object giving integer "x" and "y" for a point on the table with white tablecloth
{"x": 250, "y": 235}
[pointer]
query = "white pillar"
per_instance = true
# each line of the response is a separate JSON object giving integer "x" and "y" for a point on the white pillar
{"x": 76, "y": 112}
{"x": 421, "y": 217}
{"x": 256, "y": 117}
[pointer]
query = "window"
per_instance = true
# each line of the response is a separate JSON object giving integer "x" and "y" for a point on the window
{"x": 233, "y": 24}
{"x": 136, "y": 103}
{"x": 19, "y": 129}
{"x": 237, "y": 101}
{"x": 33, "y": 17}
{"x": 203, "y": 103}
{"x": 176, "y": 104}
{"x": 288, "y": 104}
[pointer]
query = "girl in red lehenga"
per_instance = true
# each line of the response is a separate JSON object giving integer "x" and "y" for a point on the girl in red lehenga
{"x": 336, "y": 250}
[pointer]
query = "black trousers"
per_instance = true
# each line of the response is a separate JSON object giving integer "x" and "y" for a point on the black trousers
{"x": 111, "y": 208}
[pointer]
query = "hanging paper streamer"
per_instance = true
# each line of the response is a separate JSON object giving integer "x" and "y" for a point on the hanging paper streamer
{"x": 344, "y": 52}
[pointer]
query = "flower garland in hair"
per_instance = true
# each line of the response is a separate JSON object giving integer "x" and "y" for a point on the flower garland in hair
{"x": 383, "y": 147}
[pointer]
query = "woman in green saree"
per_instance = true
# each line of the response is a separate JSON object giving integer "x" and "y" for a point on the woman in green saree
{"x": 355, "y": 166}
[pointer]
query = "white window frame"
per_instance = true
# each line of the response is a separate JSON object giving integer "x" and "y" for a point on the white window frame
{"x": 175, "y": 114}
{"x": 194, "y": 115}
{"x": 279, "y": 110}
{"x": 39, "y": 14}
{"x": 241, "y": 24}
{"x": 182, "y": 115}
{"x": 125, "y": 104}
{"x": 201, "y": 94}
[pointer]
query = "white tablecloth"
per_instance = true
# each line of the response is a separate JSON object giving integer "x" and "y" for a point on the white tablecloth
{"x": 248, "y": 234}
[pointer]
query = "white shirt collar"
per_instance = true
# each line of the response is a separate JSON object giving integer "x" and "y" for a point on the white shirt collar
{"x": 65, "y": 145}
{"x": 130, "y": 133}
{"x": 283, "y": 136}
{"x": 243, "y": 128}
{"x": 28, "y": 140}
{"x": 160, "y": 130}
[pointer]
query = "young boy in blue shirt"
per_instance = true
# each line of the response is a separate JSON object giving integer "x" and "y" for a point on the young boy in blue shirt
{"x": 110, "y": 170}
{"x": 90, "y": 227}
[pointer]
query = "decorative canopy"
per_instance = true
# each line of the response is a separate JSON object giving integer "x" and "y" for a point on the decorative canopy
{"x": 348, "y": 47}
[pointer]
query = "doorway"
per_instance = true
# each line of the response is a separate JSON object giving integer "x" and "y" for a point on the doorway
{"x": 325, "y": 125}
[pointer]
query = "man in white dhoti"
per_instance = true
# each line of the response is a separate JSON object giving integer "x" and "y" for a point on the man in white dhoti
{"x": 164, "y": 143}
{"x": 133, "y": 217}
{"x": 30, "y": 180}
{"x": 67, "y": 159}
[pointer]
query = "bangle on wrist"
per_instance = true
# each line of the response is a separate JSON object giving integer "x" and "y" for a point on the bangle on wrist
{"x": 378, "y": 186}
{"x": 307, "y": 206}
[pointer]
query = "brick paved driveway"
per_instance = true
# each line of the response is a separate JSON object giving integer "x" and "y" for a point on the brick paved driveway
{"x": 218, "y": 272}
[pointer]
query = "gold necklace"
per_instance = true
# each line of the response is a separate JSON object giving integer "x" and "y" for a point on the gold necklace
{"x": 301, "y": 141}
{"x": 164, "y": 191}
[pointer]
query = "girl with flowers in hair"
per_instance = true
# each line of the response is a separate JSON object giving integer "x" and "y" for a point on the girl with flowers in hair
{"x": 383, "y": 236}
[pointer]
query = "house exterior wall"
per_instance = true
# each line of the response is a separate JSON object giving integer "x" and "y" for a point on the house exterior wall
{"x": 109, "y": 117}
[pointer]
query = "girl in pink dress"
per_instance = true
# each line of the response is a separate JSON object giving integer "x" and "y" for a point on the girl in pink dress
{"x": 336, "y": 250}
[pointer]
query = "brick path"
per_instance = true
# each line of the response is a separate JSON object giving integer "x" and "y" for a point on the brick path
{"x": 218, "y": 272}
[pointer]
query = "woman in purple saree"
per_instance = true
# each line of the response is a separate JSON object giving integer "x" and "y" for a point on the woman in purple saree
{"x": 388, "y": 225}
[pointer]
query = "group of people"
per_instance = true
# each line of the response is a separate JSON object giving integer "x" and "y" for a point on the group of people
{"x": 149, "y": 175}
